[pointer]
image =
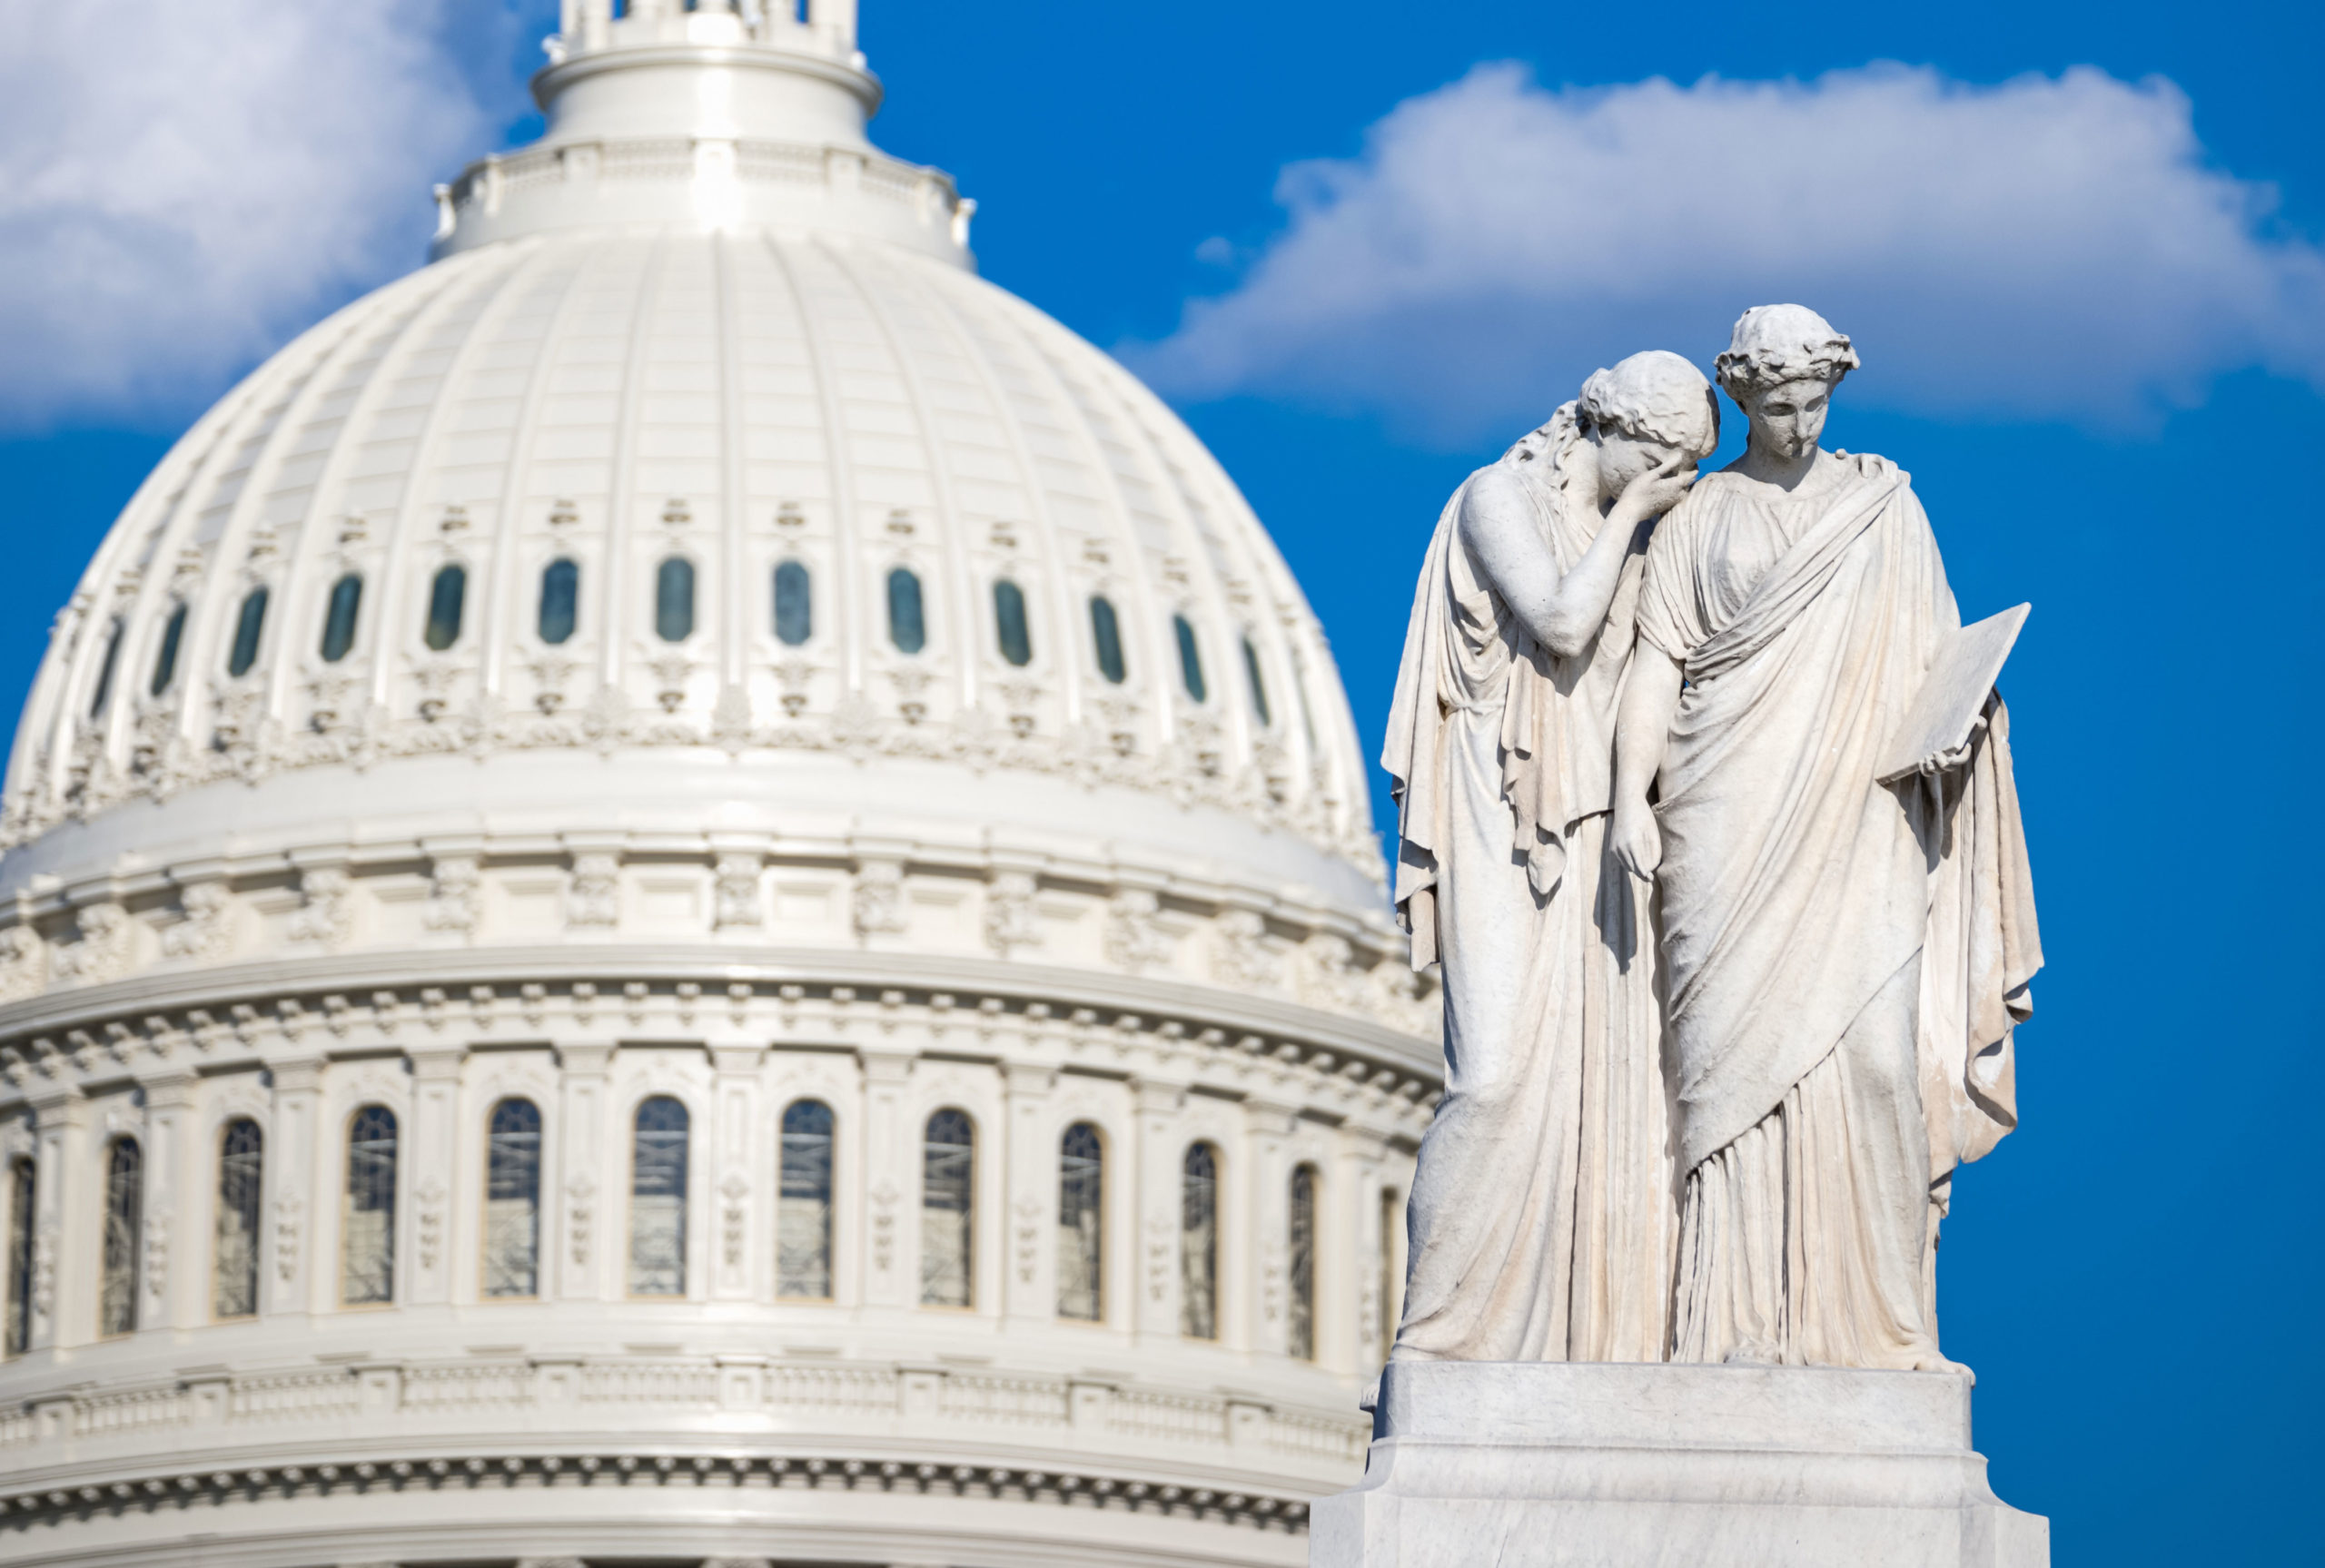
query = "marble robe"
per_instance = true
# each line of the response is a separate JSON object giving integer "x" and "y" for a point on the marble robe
{"x": 1541, "y": 1220}
{"x": 1844, "y": 961}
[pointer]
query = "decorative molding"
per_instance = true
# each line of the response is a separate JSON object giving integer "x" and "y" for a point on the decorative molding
{"x": 424, "y": 1471}
{"x": 1011, "y": 919}
{"x": 455, "y": 894}
{"x": 879, "y": 897}
{"x": 739, "y": 901}
{"x": 594, "y": 899}
{"x": 323, "y": 916}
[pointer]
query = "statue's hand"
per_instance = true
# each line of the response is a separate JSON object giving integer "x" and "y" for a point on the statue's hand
{"x": 1947, "y": 761}
{"x": 1660, "y": 488}
{"x": 1636, "y": 839}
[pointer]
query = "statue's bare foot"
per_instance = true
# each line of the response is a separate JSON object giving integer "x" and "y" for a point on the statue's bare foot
{"x": 1931, "y": 1361}
{"x": 1751, "y": 1352}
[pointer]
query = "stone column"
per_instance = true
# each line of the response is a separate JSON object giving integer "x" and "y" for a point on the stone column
{"x": 1029, "y": 1194}
{"x": 1153, "y": 1169}
{"x": 891, "y": 1183}
{"x": 180, "y": 1207}
{"x": 66, "y": 1207}
{"x": 1268, "y": 1130}
{"x": 431, "y": 1237}
{"x": 741, "y": 1230}
{"x": 1365, "y": 1156}
{"x": 303, "y": 1182}
{"x": 581, "y": 1204}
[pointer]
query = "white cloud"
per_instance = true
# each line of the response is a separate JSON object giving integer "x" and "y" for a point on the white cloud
{"x": 183, "y": 183}
{"x": 2051, "y": 247}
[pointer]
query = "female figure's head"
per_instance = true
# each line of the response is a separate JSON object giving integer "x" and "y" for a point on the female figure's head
{"x": 1781, "y": 366}
{"x": 1643, "y": 413}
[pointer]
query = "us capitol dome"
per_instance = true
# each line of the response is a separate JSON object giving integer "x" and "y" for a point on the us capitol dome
{"x": 690, "y": 889}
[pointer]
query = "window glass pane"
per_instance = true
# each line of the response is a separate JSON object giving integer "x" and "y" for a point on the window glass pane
{"x": 1392, "y": 1220}
{"x": 242, "y": 1154}
{"x": 947, "y": 1191}
{"x": 1106, "y": 632}
{"x": 1190, "y": 659}
{"x": 367, "y": 1266}
{"x": 657, "y": 1200}
{"x": 446, "y": 597}
{"x": 1015, "y": 637}
{"x": 1080, "y": 1224}
{"x": 803, "y": 1221}
{"x": 906, "y": 628}
{"x": 794, "y": 608}
{"x": 1259, "y": 684}
{"x": 104, "y": 670}
{"x": 20, "y": 1193}
{"x": 165, "y": 661}
{"x": 248, "y": 624}
{"x": 1302, "y": 1265}
{"x": 339, "y": 617}
{"x": 673, "y": 599}
{"x": 124, "y": 1217}
{"x": 512, "y": 1201}
{"x": 1199, "y": 1244}
{"x": 560, "y": 601}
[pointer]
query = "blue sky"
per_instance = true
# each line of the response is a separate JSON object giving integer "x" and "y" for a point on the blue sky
{"x": 2105, "y": 380}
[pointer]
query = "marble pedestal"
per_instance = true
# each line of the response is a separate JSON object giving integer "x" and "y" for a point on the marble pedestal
{"x": 1524, "y": 1465}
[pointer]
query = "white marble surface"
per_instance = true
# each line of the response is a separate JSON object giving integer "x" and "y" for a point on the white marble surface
{"x": 1576, "y": 1465}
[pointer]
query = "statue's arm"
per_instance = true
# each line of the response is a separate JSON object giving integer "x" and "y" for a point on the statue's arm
{"x": 1563, "y": 612}
{"x": 1642, "y": 730}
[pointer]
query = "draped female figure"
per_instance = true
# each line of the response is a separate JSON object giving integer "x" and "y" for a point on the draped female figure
{"x": 1845, "y": 959}
{"x": 1540, "y": 1220}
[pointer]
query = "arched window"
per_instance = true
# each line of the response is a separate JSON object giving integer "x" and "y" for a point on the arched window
{"x": 907, "y": 627}
{"x": 1300, "y": 1265}
{"x": 367, "y": 1227}
{"x": 447, "y": 595}
{"x": 1080, "y": 1224}
{"x": 794, "y": 606}
{"x": 948, "y": 1167}
{"x": 1009, "y": 625}
{"x": 512, "y": 1199}
{"x": 673, "y": 599}
{"x": 339, "y": 617}
{"x": 104, "y": 670}
{"x": 803, "y": 1215}
{"x": 165, "y": 659}
{"x": 1259, "y": 684}
{"x": 1106, "y": 634}
{"x": 560, "y": 606}
{"x": 125, "y": 1224}
{"x": 1190, "y": 659}
{"x": 250, "y": 623}
{"x": 20, "y": 1193}
{"x": 234, "y": 1260}
{"x": 658, "y": 1199}
{"x": 1199, "y": 1243}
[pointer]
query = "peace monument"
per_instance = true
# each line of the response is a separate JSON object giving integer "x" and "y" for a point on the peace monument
{"x": 1709, "y": 824}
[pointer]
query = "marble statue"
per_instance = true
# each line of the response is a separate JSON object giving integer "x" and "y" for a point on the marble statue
{"x": 1844, "y": 960}
{"x": 1540, "y": 1221}
{"x": 1709, "y": 823}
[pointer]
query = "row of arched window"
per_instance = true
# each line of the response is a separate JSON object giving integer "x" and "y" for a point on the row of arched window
{"x": 657, "y": 1254}
{"x": 557, "y": 617}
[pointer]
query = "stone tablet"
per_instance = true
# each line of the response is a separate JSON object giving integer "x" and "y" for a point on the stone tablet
{"x": 1953, "y": 693}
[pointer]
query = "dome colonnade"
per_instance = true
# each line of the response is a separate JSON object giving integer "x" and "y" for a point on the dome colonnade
{"x": 691, "y": 885}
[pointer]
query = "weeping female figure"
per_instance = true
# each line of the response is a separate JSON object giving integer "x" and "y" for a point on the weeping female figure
{"x": 1541, "y": 1213}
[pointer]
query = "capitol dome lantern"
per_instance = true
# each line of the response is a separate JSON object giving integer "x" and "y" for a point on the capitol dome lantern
{"x": 690, "y": 887}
